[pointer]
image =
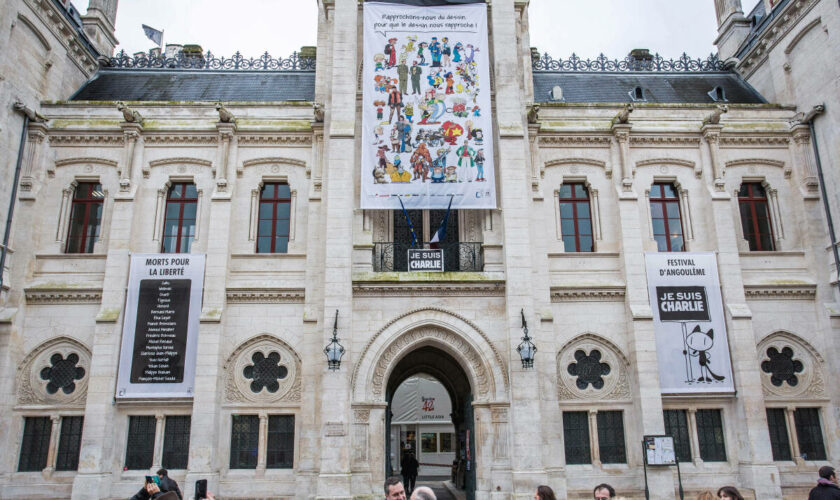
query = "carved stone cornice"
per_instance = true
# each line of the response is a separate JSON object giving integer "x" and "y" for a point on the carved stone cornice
{"x": 432, "y": 288}
{"x": 265, "y": 295}
{"x": 587, "y": 294}
{"x": 101, "y": 140}
{"x": 302, "y": 140}
{"x": 180, "y": 139}
{"x": 754, "y": 141}
{"x": 574, "y": 141}
{"x": 770, "y": 36}
{"x": 64, "y": 33}
{"x": 781, "y": 292}
{"x": 180, "y": 161}
{"x": 63, "y": 295}
{"x": 659, "y": 141}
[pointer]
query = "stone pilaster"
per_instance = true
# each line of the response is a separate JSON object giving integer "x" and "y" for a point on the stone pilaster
{"x": 711, "y": 135}
{"x": 621, "y": 132}
{"x": 33, "y": 157}
{"x": 133, "y": 139}
{"x": 803, "y": 156}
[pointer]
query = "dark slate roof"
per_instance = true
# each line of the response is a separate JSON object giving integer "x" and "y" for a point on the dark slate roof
{"x": 759, "y": 22}
{"x": 200, "y": 85}
{"x": 688, "y": 88}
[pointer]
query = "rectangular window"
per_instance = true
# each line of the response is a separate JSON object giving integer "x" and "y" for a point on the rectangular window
{"x": 140, "y": 448}
{"x": 457, "y": 256}
{"x": 710, "y": 435}
{"x": 35, "y": 444}
{"x": 176, "y": 442}
{"x": 274, "y": 218}
{"x": 676, "y": 425}
{"x": 428, "y": 442}
{"x": 666, "y": 218}
{"x": 755, "y": 217}
{"x": 446, "y": 442}
{"x": 576, "y": 437}
{"x": 280, "y": 453}
{"x": 244, "y": 440}
{"x": 575, "y": 219}
{"x": 179, "y": 221}
{"x": 69, "y": 443}
{"x": 611, "y": 437}
{"x": 85, "y": 217}
{"x": 779, "y": 442}
{"x": 809, "y": 433}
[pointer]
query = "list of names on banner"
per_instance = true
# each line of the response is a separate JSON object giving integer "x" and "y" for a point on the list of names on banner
{"x": 160, "y": 339}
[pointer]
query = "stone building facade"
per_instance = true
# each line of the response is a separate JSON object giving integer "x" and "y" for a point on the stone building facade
{"x": 322, "y": 433}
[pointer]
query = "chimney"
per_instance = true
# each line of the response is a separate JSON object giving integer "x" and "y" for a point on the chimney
{"x": 733, "y": 27}
{"x": 640, "y": 59}
{"x": 98, "y": 24}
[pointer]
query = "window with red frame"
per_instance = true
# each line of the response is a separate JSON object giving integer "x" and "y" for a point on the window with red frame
{"x": 755, "y": 217}
{"x": 575, "y": 219}
{"x": 666, "y": 218}
{"x": 273, "y": 228}
{"x": 85, "y": 217}
{"x": 179, "y": 222}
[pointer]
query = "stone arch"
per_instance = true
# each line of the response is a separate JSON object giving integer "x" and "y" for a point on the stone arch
{"x": 32, "y": 379}
{"x": 236, "y": 390}
{"x": 810, "y": 381}
{"x": 698, "y": 170}
{"x": 439, "y": 328}
{"x": 616, "y": 383}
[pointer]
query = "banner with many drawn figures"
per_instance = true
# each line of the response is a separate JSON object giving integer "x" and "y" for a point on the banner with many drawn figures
{"x": 427, "y": 132}
{"x": 160, "y": 326}
{"x": 691, "y": 341}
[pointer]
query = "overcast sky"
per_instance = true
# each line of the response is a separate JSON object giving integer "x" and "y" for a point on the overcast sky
{"x": 558, "y": 27}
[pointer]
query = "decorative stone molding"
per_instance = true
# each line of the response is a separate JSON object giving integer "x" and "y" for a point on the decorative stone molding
{"x": 781, "y": 292}
{"x": 754, "y": 141}
{"x": 587, "y": 294}
{"x": 86, "y": 162}
{"x": 63, "y": 295}
{"x": 265, "y": 295}
{"x": 613, "y": 384}
{"x": 101, "y": 140}
{"x": 574, "y": 141}
{"x": 31, "y": 382}
{"x": 578, "y": 161}
{"x": 361, "y": 415}
{"x": 272, "y": 160}
{"x": 642, "y": 141}
{"x": 435, "y": 288}
{"x": 180, "y": 161}
{"x": 773, "y": 34}
{"x": 698, "y": 169}
{"x": 809, "y": 382}
{"x": 238, "y": 388}
{"x": 275, "y": 140}
{"x": 66, "y": 34}
{"x": 179, "y": 139}
{"x": 751, "y": 162}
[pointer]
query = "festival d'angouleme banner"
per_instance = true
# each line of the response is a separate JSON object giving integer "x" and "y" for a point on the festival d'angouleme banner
{"x": 427, "y": 131}
{"x": 691, "y": 343}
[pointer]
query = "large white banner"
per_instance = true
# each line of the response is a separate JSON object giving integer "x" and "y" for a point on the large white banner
{"x": 160, "y": 328}
{"x": 691, "y": 342}
{"x": 426, "y": 128}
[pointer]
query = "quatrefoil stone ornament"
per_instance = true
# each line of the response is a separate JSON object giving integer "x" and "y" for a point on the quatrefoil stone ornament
{"x": 782, "y": 367}
{"x": 589, "y": 369}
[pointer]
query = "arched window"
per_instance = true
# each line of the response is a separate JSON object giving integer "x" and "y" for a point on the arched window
{"x": 85, "y": 217}
{"x": 575, "y": 217}
{"x": 755, "y": 216}
{"x": 274, "y": 218}
{"x": 179, "y": 222}
{"x": 666, "y": 218}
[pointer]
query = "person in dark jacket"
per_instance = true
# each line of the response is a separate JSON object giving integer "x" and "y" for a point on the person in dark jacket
{"x": 168, "y": 484}
{"x": 826, "y": 488}
{"x": 410, "y": 465}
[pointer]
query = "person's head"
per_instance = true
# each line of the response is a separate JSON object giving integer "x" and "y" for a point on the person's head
{"x": 729, "y": 493}
{"x": 423, "y": 493}
{"x": 394, "y": 489}
{"x": 603, "y": 492}
{"x": 706, "y": 495}
{"x": 827, "y": 472}
{"x": 162, "y": 473}
{"x": 544, "y": 493}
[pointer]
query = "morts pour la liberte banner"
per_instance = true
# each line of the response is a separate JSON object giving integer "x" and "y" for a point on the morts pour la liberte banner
{"x": 691, "y": 343}
{"x": 160, "y": 328}
{"x": 426, "y": 125}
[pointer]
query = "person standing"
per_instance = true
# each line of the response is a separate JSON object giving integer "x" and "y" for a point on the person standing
{"x": 603, "y": 492}
{"x": 410, "y": 467}
{"x": 544, "y": 493}
{"x": 826, "y": 488}
{"x": 416, "y": 72}
{"x": 402, "y": 74}
{"x": 423, "y": 493}
{"x": 395, "y": 103}
{"x": 394, "y": 489}
{"x": 168, "y": 484}
{"x": 729, "y": 493}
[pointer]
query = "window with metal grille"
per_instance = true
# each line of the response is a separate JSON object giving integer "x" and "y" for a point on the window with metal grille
{"x": 280, "y": 451}
{"x": 611, "y": 437}
{"x": 779, "y": 442}
{"x": 69, "y": 444}
{"x": 676, "y": 425}
{"x": 809, "y": 433}
{"x": 710, "y": 435}
{"x": 423, "y": 231}
{"x": 140, "y": 448}
{"x": 755, "y": 216}
{"x": 450, "y": 242}
{"x": 179, "y": 221}
{"x": 274, "y": 218}
{"x": 575, "y": 219}
{"x": 85, "y": 217}
{"x": 666, "y": 218}
{"x": 576, "y": 437}
{"x": 176, "y": 442}
{"x": 35, "y": 445}
{"x": 244, "y": 440}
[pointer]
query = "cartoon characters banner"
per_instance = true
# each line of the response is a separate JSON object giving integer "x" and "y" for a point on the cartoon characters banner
{"x": 691, "y": 343}
{"x": 427, "y": 132}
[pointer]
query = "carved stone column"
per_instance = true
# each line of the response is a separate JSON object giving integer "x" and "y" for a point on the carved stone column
{"x": 157, "y": 454}
{"x": 227, "y": 133}
{"x": 34, "y": 145}
{"x": 711, "y": 134}
{"x": 621, "y": 132}
{"x": 131, "y": 133}
{"x": 52, "y": 451}
{"x": 804, "y": 158}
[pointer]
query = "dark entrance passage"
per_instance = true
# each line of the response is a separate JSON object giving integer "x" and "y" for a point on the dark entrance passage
{"x": 442, "y": 366}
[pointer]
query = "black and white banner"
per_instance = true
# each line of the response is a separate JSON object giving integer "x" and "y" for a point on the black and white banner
{"x": 160, "y": 328}
{"x": 426, "y": 123}
{"x": 691, "y": 342}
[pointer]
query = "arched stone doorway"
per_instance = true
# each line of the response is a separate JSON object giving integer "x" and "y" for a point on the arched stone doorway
{"x": 447, "y": 370}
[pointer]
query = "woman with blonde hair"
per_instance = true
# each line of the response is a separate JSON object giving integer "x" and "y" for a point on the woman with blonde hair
{"x": 706, "y": 495}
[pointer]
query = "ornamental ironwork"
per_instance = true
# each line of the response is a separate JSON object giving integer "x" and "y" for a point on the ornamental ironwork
{"x": 265, "y": 372}
{"x": 653, "y": 62}
{"x": 782, "y": 367}
{"x": 295, "y": 62}
{"x": 589, "y": 369}
{"x": 62, "y": 373}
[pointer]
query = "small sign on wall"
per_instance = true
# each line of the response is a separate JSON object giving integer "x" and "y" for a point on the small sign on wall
{"x": 425, "y": 259}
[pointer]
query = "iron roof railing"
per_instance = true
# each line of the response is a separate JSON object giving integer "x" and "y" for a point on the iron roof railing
{"x": 208, "y": 61}
{"x": 653, "y": 62}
